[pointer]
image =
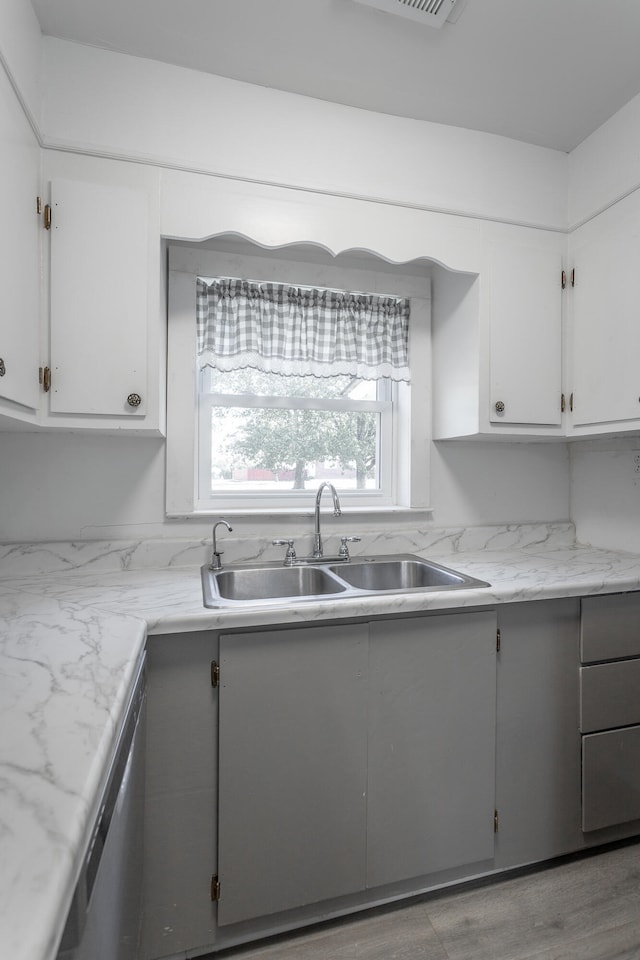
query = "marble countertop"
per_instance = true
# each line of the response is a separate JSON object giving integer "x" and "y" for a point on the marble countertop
{"x": 72, "y": 629}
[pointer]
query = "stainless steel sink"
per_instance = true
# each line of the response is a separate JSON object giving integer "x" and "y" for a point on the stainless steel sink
{"x": 246, "y": 584}
{"x": 318, "y": 580}
{"x": 400, "y": 573}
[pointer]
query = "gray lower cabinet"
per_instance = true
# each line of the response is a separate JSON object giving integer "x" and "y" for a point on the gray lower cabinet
{"x": 537, "y": 734}
{"x": 611, "y": 778}
{"x": 340, "y": 765}
{"x": 610, "y": 713}
{"x": 351, "y": 757}
{"x": 431, "y": 775}
{"x": 292, "y": 767}
{"x": 610, "y": 628}
{"x": 180, "y": 840}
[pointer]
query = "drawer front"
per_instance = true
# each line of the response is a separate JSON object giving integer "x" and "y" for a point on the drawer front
{"x": 610, "y": 627}
{"x": 609, "y": 695}
{"x": 610, "y": 778}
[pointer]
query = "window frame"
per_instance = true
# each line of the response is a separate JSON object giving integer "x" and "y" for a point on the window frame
{"x": 406, "y": 486}
{"x": 381, "y": 496}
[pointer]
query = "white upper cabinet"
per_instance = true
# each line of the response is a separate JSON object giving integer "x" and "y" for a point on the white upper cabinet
{"x": 105, "y": 313}
{"x": 19, "y": 259}
{"x": 604, "y": 381}
{"x": 526, "y": 334}
{"x": 497, "y": 339}
{"x": 99, "y": 267}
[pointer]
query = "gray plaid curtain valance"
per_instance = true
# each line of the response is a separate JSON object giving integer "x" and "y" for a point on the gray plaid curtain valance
{"x": 299, "y": 331}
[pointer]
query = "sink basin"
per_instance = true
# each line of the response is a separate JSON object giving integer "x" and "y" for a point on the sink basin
{"x": 401, "y": 573}
{"x": 269, "y": 583}
{"x": 317, "y": 580}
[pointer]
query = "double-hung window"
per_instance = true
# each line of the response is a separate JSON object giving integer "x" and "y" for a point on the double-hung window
{"x": 278, "y": 384}
{"x": 296, "y": 386}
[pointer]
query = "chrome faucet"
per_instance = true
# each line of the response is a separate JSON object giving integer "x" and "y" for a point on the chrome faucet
{"x": 216, "y": 562}
{"x": 337, "y": 511}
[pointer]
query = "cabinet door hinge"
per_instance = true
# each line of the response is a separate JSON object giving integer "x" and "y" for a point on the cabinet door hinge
{"x": 47, "y": 217}
{"x": 498, "y": 640}
{"x": 215, "y": 887}
{"x": 573, "y": 277}
{"x": 44, "y": 378}
{"x": 571, "y": 403}
{"x": 38, "y": 205}
{"x": 563, "y": 279}
{"x": 495, "y": 821}
{"x": 215, "y": 674}
{"x": 563, "y": 405}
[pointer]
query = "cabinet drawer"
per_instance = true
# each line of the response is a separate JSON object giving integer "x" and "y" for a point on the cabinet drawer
{"x": 610, "y": 627}
{"x": 609, "y": 695}
{"x": 610, "y": 778}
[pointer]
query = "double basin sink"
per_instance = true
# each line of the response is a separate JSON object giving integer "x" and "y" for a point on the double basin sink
{"x": 330, "y": 580}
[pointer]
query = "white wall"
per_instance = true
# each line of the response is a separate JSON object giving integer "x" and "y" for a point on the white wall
{"x": 480, "y": 482}
{"x": 105, "y": 105}
{"x": 69, "y": 487}
{"x": 605, "y": 493}
{"x": 605, "y": 166}
{"x": 112, "y": 104}
{"x": 20, "y": 53}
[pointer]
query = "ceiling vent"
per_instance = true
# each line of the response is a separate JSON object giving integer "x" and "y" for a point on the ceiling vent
{"x": 431, "y": 12}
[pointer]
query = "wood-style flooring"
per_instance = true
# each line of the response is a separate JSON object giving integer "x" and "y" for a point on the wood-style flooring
{"x": 586, "y": 908}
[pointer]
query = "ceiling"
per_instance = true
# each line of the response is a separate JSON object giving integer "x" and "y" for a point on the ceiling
{"x": 548, "y": 72}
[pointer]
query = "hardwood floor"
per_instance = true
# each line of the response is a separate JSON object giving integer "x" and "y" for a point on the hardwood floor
{"x": 586, "y": 908}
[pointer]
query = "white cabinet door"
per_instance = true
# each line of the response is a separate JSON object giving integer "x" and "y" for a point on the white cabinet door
{"x": 526, "y": 334}
{"x": 497, "y": 339}
{"x": 606, "y": 318}
{"x": 19, "y": 253}
{"x": 99, "y": 311}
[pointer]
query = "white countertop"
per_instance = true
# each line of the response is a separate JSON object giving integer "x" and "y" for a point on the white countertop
{"x": 72, "y": 630}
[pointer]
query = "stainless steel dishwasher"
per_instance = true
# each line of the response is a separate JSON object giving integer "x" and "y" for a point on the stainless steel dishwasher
{"x": 104, "y": 918}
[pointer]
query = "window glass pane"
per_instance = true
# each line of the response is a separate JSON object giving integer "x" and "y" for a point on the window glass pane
{"x": 255, "y": 383}
{"x": 258, "y": 449}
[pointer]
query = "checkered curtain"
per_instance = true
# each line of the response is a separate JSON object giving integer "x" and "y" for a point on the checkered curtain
{"x": 300, "y": 331}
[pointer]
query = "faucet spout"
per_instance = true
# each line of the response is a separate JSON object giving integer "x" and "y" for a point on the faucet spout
{"x": 337, "y": 511}
{"x": 216, "y": 562}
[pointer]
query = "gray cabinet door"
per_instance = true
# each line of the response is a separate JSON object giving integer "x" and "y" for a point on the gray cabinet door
{"x": 610, "y": 778}
{"x": 610, "y": 627}
{"x": 538, "y": 738}
{"x": 609, "y": 695}
{"x": 292, "y": 768}
{"x": 181, "y": 789}
{"x": 431, "y": 744}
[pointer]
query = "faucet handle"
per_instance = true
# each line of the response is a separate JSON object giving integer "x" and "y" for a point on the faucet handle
{"x": 344, "y": 549}
{"x": 290, "y": 555}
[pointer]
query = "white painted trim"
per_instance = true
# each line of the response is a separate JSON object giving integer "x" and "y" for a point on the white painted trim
{"x": 167, "y": 164}
{"x": 61, "y": 146}
{"x": 600, "y": 210}
{"x": 410, "y": 439}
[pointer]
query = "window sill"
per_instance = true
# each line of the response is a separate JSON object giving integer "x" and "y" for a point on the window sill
{"x": 397, "y": 512}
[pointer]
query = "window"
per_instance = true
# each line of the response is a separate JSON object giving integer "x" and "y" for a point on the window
{"x": 278, "y": 436}
{"x": 260, "y": 432}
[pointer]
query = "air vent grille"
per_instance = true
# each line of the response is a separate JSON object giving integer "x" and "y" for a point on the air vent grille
{"x": 432, "y": 7}
{"x": 432, "y": 12}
